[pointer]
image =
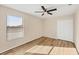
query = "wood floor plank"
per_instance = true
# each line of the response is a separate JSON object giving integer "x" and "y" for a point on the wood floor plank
{"x": 38, "y": 49}
{"x": 63, "y": 51}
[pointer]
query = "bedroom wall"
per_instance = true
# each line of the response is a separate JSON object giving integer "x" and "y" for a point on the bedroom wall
{"x": 76, "y": 29}
{"x": 32, "y": 28}
{"x": 51, "y": 28}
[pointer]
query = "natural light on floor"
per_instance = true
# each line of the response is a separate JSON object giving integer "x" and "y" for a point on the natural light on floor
{"x": 41, "y": 49}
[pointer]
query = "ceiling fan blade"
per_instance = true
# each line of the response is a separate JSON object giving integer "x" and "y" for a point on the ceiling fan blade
{"x": 52, "y": 10}
{"x": 43, "y": 8}
{"x": 42, "y": 14}
{"x": 49, "y": 13}
{"x": 39, "y": 11}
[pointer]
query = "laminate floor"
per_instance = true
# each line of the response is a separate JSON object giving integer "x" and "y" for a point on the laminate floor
{"x": 44, "y": 46}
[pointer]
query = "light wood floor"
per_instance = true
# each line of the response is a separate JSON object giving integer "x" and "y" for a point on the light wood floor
{"x": 44, "y": 46}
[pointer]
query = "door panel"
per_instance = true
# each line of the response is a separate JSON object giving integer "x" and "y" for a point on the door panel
{"x": 65, "y": 29}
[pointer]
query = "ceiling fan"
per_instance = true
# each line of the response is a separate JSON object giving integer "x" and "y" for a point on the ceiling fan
{"x": 45, "y": 10}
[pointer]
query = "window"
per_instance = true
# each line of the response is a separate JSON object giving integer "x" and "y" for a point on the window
{"x": 14, "y": 21}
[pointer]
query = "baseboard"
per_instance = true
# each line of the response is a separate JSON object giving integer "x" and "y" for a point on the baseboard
{"x": 58, "y": 39}
{"x": 76, "y": 49}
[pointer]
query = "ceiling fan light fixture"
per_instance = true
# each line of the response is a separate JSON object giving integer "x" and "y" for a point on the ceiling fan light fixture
{"x": 47, "y": 11}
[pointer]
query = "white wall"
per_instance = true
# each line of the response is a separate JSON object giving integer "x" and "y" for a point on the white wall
{"x": 65, "y": 29}
{"x": 32, "y": 28}
{"x": 76, "y": 30}
{"x": 51, "y": 28}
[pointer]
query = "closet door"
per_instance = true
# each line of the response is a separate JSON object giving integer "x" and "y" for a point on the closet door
{"x": 65, "y": 29}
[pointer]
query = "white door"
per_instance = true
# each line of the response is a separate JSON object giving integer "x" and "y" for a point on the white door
{"x": 65, "y": 30}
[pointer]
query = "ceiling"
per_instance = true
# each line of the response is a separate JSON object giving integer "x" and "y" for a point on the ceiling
{"x": 62, "y": 9}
